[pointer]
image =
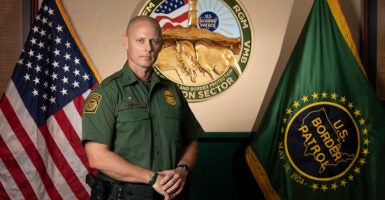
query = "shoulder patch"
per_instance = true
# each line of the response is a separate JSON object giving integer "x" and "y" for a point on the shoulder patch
{"x": 92, "y": 103}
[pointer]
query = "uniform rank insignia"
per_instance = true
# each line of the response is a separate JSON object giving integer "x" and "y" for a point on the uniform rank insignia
{"x": 169, "y": 97}
{"x": 92, "y": 104}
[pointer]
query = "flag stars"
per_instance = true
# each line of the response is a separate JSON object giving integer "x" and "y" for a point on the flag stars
{"x": 52, "y": 100}
{"x": 86, "y": 77}
{"x": 44, "y": 108}
{"x": 324, "y": 95}
{"x": 350, "y": 105}
{"x": 334, "y": 96}
{"x": 20, "y": 61}
{"x": 334, "y": 186}
{"x": 315, "y": 95}
{"x": 63, "y": 92}
{"x": 53, "y": 88}
{"x": 35, "y": 29}
{"x": 36, "y": 80}
{"x": 38, "y": 68}
{"x": 66, "y": 68}
{"x": 362, "y": 121}
{"x": 343, "y": 182}
{"x": 296, "y": 104}
{"x": 324, "y": 188}
{"x": 284, "y": 120}
{"x": 39, "y": 57}
{"x": 357, "y": 113}
{"x": 29, "y": 65}
{"x": 288, "y": 111}
{"x": 54, "y": 76}
{"x": 351, "y": 178}
{"x": 41, "y": 45}
{"x": 77, "y": 61}
{"x": 65, "y": 80}
{"x": 362, "y": 161}
{"x": 58, "y": 40}
{"x": 27, "y": 77}
{"x": 366, "y": 141}
{"x": 33, "y": 41}
{"x": 56, "y": 52}
{"x": 51, "y": 11}
{"x": 357, "y": 170}
{"x": 55, "y": 64}
{"x": 35, "y": 92}
{"x": 42, "y": 32}
{"x": 365, "y": 131}
{"x": 31, "y": 53}
{"x": 305, "y": 98}
{"x": 67, "y": 56}
{"x": 59, "y": 28}
{"x": 75, "y": 84}
{"x": 343, "y": 99}
{"x": 45, "y": 84}
{"x": 44, "y": 20}
{"x": 76, "y": 72}
{"x": 365, "y": 151}
{"x": 68, "y": 45}
{"x": 314, "y": 186}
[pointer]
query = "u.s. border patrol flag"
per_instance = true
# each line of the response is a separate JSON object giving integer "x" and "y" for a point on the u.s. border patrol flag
{"x": 41, "y": 155}
{"x": 323, "y": 134}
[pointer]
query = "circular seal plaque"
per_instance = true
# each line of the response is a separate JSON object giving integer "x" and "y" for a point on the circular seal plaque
{"x": 324, "y": 141}
{"x": 207, "y": 44}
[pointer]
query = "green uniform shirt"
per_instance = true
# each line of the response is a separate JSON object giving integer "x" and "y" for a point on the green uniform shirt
{"x": 147, "y": 124}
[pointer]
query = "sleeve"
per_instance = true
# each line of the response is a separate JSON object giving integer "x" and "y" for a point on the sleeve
{"x": 98, "y": 118}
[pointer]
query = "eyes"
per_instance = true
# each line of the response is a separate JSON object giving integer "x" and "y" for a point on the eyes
{"x": 152, "y": 41}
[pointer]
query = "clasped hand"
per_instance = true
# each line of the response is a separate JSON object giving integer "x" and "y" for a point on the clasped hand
{"x": 170, "y": 183}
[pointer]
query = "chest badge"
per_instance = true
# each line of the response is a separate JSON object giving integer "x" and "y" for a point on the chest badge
{"x": 169, "y": 97}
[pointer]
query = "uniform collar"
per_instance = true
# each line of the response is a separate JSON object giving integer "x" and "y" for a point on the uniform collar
{"x": 130, "y": 78}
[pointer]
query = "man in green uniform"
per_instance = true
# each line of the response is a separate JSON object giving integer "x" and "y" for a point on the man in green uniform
{"x": 138, "y": 130}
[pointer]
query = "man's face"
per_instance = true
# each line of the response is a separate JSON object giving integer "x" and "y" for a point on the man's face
{"x": 143, "y": 44}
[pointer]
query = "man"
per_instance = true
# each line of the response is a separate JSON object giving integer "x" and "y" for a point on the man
{"x": 138, "y": 130}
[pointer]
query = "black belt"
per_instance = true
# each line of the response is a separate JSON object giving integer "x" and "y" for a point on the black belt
{"x": 133, "y": 191}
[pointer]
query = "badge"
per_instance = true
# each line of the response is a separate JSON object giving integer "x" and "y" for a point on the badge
{"x": 92, "y": 103}
{"x": 169, "y": 97}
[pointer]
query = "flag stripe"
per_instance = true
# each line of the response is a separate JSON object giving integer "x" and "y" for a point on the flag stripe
{"x": 59, "y": 159}
{"x": 29, "y": 147}
{"x": 17, "y": 173}
{"x": 3, "y": 192}
{"x": 168, "y": 22}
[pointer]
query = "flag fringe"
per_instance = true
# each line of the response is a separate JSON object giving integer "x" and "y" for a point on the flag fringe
{"x": 76, "y": 39}
{"x": 260, "y": 175}
{"x": 339, "y": 17}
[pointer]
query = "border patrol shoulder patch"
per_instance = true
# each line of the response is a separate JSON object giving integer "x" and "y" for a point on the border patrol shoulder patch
{"x": 92, "y": 103}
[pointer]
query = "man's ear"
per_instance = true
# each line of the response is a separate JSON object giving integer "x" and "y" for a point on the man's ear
{"x": 125, "y": 41}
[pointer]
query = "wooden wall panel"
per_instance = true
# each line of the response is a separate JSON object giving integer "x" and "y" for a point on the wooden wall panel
{"x": 10, "y": 39}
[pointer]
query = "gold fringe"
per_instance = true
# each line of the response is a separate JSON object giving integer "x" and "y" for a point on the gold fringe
{"x": 336, "y": 10}
{"x": 77, "y": 41}
{"x": 260, "y": 175}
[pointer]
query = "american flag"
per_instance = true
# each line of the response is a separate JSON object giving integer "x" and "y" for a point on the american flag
{"x": 172, "y": 14}
{"x": 40, "y": 113}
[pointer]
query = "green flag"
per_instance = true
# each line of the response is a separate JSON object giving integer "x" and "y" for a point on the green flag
{"x": 323, "y": 134}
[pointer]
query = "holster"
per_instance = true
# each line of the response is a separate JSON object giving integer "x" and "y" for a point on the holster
{"x": 100, "y": 188}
